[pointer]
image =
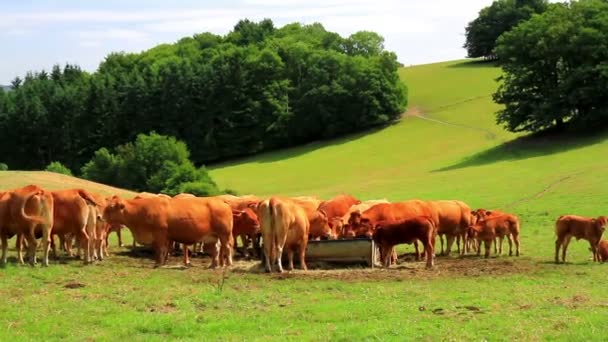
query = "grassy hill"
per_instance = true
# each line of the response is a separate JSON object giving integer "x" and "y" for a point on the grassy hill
{"x": 446, "y": 146}
{"x": 56, "y": 181}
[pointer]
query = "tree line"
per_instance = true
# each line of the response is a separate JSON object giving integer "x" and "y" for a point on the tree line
{"x": 256, "y": 88}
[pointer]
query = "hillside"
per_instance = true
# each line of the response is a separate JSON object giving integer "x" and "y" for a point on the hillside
{"x": 446, "y": 146}
{"x": 55, "y": 181}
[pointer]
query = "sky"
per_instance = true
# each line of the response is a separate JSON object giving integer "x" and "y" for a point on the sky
{"x": 35, "y": 35}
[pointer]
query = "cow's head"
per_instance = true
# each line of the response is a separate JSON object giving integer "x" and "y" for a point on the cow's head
{"x": 337, "y": 226}
{"x": 366, "y": 228}
{"x": 113, "y": 212}
{"x": 600, "y": 227}
{"x": 246, "y": 217}
{"x": 320, "y": 222}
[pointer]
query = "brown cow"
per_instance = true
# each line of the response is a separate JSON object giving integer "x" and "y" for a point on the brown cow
{"x": 491, "y": 227}
{"x": 602, "y": 250}
{"x": 246, "y": 225}
{"x": 284, "y": 224}
{"x": 26, "y": 212}
{"x": 568, "y": 226}
{"x": 344, "y": 229}
{"x": 157, "y": 221}
{"x": 363, "y": 223}
{"x": 388, "y": 234}
{"x": 337, "y": 207}
{"x": 75, "y": 214}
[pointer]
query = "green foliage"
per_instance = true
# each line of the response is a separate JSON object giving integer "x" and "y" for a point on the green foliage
{"x": 57, "y": 167}
{"x": 3, "y": 167}
{"x": 555, "y": 69}
{"x": 153, "y": 163}
{"x": 496, "y": 19}
{"x": 258, "y": 87}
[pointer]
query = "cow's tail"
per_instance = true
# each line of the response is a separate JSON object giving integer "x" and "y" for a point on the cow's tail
{"x": 24, "y": 215}
{"x": 87, "y": 197}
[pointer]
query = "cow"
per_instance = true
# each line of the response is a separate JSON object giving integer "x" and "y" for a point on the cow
{"x": 343, "y": 229}
{"x": 158, "y": 221}
{"x": 26, "y": 212}
{"x": 602, "y": 251}
{"x": 489, "y": 228}
{"x": 284, "y": 224}
{"x": 247, "y": 226}
{"x": 363, "y": 223}
{"x": 184, "y": 195}
{"x": 75, "y": 215}
{"x": 451, "y": 218}
{"x": 568, "y": 226}
{"x": 318, "y": 219}
{"x": 387, "y": 234}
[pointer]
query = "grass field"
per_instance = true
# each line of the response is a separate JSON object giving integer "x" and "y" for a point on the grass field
{"x": 447, "y": 146}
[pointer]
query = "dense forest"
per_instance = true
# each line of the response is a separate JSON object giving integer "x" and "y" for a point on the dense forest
{"x": 257, "y": 88}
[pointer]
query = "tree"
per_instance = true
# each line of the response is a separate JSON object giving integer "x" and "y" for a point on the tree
{"x": 154, "y": 163}
{"x": 481, "y": 34}
{"x": 555, "y": 69}
{"x": 57, "y": 167}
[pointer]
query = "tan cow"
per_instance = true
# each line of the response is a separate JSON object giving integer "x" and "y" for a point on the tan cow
{"x": 284, "y": 224}
{"x": 451, "y": 218}
{"x": 568, "y": 226}
{"x": 158, "y": 221}
{"x": 26, "y": 212}
{"x": 75, "y": 214}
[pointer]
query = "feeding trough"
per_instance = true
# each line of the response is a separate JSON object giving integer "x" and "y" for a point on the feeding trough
{"x": 342, "y": 251}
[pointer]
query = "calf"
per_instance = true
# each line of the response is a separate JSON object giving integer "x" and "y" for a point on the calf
{"x": 602, "y": 251}
{"x": 490, "y": 228}
{"x": 568, "y": 226}
{"x": 390, "y": 233}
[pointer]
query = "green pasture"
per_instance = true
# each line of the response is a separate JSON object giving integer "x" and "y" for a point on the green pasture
{"x": 451, "y": 149}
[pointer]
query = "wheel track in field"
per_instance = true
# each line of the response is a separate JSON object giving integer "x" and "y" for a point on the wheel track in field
{"x": 417, "y": 113}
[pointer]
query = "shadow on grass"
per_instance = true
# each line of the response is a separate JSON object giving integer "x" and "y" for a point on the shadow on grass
{"x": 475, "y": 63}
{"x": 529, "y": 146}
{"x": 281, "y": 154}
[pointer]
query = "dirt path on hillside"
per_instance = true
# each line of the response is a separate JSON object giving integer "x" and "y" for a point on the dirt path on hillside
{"x": 539, "y": 194}
{"x": 416, "y": 112}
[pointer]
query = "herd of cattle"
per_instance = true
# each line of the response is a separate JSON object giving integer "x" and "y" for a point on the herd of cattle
{"x": 213, "y": 224}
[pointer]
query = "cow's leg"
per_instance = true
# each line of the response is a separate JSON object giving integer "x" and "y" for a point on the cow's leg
{"x": 32, "y": 245}
{"x": 54, "y": 247}
{"x": 428, "y": 249}
{"x": 594, "y": 251}
{"x": 279, "y": 256}
{"x": 416, "y": 249}
{"x": 186, "y": 258}
{"x": 4, "y": 247}
{"x": 565, "y": 244}
{"x": 303, "y": 257}
{"x": 450, "y": 242}
{"x": 290, "y": 258}
{"x": 120, "y": 237}
{"x": 487, "y": 245}
{"x": 19, "y": 247}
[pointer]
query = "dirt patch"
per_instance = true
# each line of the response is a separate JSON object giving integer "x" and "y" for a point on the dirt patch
{"x": 445, "y": 267}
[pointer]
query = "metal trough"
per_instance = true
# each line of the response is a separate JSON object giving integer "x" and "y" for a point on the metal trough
{"x": 347, "y": 251}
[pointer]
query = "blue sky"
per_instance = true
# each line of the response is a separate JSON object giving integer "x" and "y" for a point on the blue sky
{"x": 34, "y": 35}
